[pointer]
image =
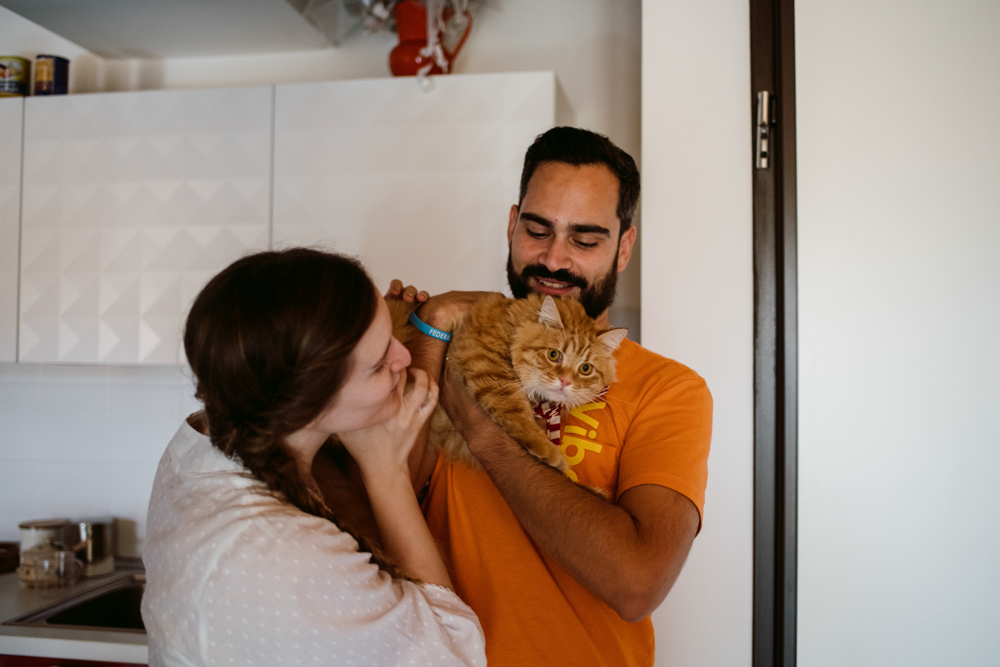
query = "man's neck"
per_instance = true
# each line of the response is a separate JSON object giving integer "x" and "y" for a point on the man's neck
{"x": 602, "y": 321}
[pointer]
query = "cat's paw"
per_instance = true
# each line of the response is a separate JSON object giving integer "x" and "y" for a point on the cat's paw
{"x": 597, "y": 491}
{"x": 555, "y": 459}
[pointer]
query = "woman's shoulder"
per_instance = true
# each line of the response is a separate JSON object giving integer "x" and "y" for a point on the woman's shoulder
{"x": 191, "y": 451}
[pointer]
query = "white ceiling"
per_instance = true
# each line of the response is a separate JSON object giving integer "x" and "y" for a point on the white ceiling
{"x": 178, "y": 28}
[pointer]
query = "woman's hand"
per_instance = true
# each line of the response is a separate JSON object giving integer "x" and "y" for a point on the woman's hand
{"x": 381, "y": 452}
{"x": 385, "y": 447}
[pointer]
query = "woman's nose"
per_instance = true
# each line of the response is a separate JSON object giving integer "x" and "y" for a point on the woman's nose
{"x": 401, "y": 356}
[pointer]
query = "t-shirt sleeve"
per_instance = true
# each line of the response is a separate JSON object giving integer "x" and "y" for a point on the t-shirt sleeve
{"x": 668, "y": 439}
{"x": 299, "y": 587}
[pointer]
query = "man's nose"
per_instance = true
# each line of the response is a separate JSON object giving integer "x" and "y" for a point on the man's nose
{"x": 556, "y": 256}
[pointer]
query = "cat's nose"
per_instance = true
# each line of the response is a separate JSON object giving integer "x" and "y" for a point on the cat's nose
{"x": 565, "y": 382}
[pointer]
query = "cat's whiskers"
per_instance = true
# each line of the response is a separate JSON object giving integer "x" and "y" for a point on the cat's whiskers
{"x": 616, "y": 400}
{"x": 582, "y": 398}
{"x": 503, "y": 388}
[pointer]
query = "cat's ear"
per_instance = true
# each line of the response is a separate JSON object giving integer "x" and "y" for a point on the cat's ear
{"x": 612, "y": 339}
{"x": 549, "y": 314}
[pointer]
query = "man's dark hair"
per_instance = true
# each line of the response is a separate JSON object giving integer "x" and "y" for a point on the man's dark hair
{"x": 578, "y": 147}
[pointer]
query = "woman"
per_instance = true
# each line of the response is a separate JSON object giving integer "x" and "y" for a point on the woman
{"x": 246, "y": 561}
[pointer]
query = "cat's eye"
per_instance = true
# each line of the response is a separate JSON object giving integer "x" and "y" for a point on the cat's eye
{"x": 586, "y": 369}
{"x": 555, "y": 355}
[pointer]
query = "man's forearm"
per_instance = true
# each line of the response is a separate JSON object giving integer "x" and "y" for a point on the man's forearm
{"x": 428, "y": 355}
{"x": 616, "y": 556}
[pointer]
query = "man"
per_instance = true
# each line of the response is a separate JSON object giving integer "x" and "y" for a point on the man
{"x": 557, "y": 575}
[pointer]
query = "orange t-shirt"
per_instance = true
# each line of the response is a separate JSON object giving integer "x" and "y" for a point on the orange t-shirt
{"x": 653, "y": 427}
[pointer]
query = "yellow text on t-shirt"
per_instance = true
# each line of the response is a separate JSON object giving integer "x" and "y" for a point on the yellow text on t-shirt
{"x": 580, "y": 445}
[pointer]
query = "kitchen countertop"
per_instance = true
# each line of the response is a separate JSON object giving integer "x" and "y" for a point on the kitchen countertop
{"x": 17, "y": 599}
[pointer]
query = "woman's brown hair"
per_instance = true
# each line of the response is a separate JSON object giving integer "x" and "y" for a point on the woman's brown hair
{"x": 269, "y": 340}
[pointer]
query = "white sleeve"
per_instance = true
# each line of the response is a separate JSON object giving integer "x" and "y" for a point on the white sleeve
{"x": 293, "y": 589}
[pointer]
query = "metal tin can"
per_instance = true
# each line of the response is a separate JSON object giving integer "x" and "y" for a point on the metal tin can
{"x": 93, "y": 540}
{"x": 51, "y": 75}
{"x": 15, "y": 76}
{"x": 42, "y": 531}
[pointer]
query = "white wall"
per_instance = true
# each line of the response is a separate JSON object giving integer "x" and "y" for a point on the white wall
{"x": 80, "y": 440}
{"x": 899, "y": 321}
{"x": 697, "y": 301}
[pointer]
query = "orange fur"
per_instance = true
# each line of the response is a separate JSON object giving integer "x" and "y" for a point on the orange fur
{"x": 503, "y": 349}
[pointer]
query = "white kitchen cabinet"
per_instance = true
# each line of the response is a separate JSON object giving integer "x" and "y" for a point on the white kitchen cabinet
{"x": 11, "y": 115}
{"x": 131, "y": 201}
{"x": 416, "y": 181}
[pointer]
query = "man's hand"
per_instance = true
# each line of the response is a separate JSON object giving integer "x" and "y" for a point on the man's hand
{"x": 445, "y": 311}
{"x": 409, "y": 294}
{"x": 468, "y": 416}
{"x": 456, "y": 399}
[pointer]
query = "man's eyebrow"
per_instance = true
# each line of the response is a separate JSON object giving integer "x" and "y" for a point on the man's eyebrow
{"x": 537, "y": 219}
{"x": 574, "y": 228}
{"x": 590, "y": 229}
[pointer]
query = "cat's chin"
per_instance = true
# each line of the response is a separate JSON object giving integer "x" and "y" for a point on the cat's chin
{"x": 541, "y": 395}
{"x": 566, "y": 400}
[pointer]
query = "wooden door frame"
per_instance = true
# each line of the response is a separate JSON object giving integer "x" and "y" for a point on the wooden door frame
{"x": 772, "y": 67}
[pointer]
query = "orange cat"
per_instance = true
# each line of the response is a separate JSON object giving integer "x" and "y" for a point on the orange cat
{"x": 516, "y": 353}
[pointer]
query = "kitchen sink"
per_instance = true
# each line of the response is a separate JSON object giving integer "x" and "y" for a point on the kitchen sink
{"x": 112, "y": 606}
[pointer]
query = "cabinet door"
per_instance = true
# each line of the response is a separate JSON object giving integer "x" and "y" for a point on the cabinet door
{"x": 11, "y": 115}
{"x": 415, "y": 181}
{"x": 131, "y": 201}
{"x": 32, "y": 661}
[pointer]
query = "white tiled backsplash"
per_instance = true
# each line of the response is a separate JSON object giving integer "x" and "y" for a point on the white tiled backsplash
{"x": 79, "y": 441}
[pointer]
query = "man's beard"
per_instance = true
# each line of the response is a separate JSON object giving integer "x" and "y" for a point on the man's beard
{"x": 595, "y": 298}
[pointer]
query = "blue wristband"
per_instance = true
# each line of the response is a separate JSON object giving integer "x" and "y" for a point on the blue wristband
{"x": 428, "y": 329}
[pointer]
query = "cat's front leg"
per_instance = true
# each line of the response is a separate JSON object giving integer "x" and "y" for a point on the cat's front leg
{"x": 512, "y": 412}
